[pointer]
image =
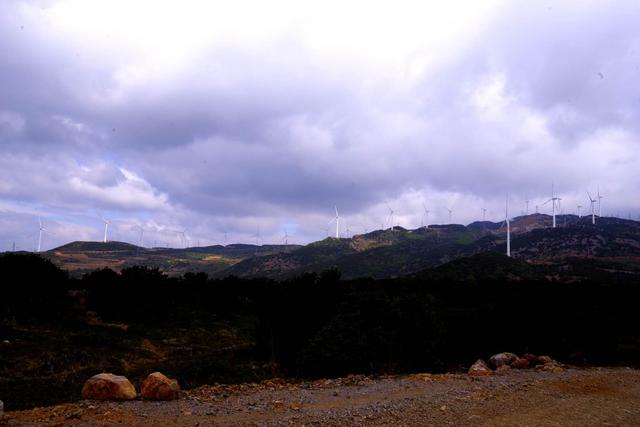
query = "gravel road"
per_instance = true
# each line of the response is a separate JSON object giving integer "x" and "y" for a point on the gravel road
{"x": 573, "y": 397}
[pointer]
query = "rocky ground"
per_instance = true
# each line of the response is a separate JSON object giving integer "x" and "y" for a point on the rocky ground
{"x": 595, "y": 396}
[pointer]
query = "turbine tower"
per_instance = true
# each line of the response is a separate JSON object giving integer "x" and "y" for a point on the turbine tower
{"x": 425, "y": 215}
{"x": 593, "y": 208}
{"x": 579, "y": 214}
{"x": 599, "y": 203}
{"x": 484, "y": 213}
{"x": 390, "y": 219}
{"x": 337, "y": 220}
{"x": 506, "y": 220}
{"x": 554, "y": 199}
{"x": 40, "y": 234}
{"x": 450, "y": 214}
{"x": 106, "y": 227}
{"x": 139, "y": 227}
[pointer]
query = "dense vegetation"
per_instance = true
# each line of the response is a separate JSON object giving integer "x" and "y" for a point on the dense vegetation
{"x": 55, "y": 331}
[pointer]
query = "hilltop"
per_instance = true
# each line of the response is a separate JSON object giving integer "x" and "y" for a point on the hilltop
{"x": 379, "y": 254}
{"x": 383, "y": 254}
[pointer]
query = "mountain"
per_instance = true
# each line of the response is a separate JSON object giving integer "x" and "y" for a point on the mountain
{"x": 380, "y": 253}
{"x": 81, "y": 257}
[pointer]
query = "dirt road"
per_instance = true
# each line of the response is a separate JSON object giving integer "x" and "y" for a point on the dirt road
{"x": 580, "y": 397}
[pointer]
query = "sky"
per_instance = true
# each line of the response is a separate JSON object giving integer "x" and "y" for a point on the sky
{"x": 257, "y": 118}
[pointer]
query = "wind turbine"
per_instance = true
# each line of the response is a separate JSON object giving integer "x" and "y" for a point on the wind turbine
{"x": 593, "y": 209}
{"x": 390, "y": 219}
{"x": 554, "y": 199}
{"x": 40, "y": 234}
{"x": 450, "y": 214}
{"x": 337, "y": 220}
{"x": 225, "y": 238}
{"x": 425, "y": 215}
{"x": 506, "y": 220}
{"x": 580, "y": 207}
{"x": 484, "y": 213}
{"x": 285, "y": 238}
{"x": 139, "y": 227}
{"x": 183, "y": 238}
{"x": 527, "y": 212}
{"x": 599, "y": 203}
{"x": 106, "y": 227}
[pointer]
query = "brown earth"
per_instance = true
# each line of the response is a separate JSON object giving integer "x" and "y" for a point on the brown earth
{"x": 573, "y": 397}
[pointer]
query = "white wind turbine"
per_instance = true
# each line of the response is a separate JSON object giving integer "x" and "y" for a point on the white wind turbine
{"x": 579, "y": 213}
{"x": 285, "y": 238}
{"x": 183, "y": 237}
{"x": 593, "y": 208}
{"x": 337, "y": 220}
{"x": 425, "y": 215}
{"x": 106, "y": 227}
{"x": 506, "y": 220}
{"x": 450, "y": 214}
{"x": 600, "y": 203}
{"x": 390, "y": 219}
{"x": 484, "y": 213}
{"x": 139, "y": 227}
{"x": 258, "y": 237}
{"x": 554, "y": 199}
{"x": 40, "y": 234}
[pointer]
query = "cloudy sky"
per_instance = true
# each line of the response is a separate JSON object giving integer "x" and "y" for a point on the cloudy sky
{"x": 210, "y": 117}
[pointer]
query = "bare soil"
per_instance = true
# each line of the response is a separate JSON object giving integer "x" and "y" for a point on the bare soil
{"x": 573, "y": 397}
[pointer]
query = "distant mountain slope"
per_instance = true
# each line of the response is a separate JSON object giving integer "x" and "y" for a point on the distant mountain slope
{"x": 390, "y": 254}
{"x": 81, "y": 257}
{"x": 380, "y": 253}
{"x": 97, "y": 247}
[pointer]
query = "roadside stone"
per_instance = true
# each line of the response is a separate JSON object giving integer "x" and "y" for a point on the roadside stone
{"x": 479, "y": 369}
{"x": 107, "y": 386}
{"x": 159, "y": 387}
{"x": 520, "y": 363}
{"x": 501, "y": 359}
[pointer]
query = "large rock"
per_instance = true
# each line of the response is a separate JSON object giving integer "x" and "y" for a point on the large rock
{"x": 502, "y": 359}
{"x": 479, "y": 369}
{"x": 108, "y": 387}
{"x": 158, "y": 387}
{"x": 520, "y": 363}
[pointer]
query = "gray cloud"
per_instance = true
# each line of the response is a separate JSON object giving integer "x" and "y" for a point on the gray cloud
{"x": 275, "y": 137}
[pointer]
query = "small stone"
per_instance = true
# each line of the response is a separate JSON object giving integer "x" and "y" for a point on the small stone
{"x": 479, "y": 369}
{"x": 501, "y": 359}
{"x": 295, "y": 407}
{"x": 108, "y": 387}
{"x": 443, "y": 408}
{"x": 520, "y": 363}
{"x": 158, "y": 387}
